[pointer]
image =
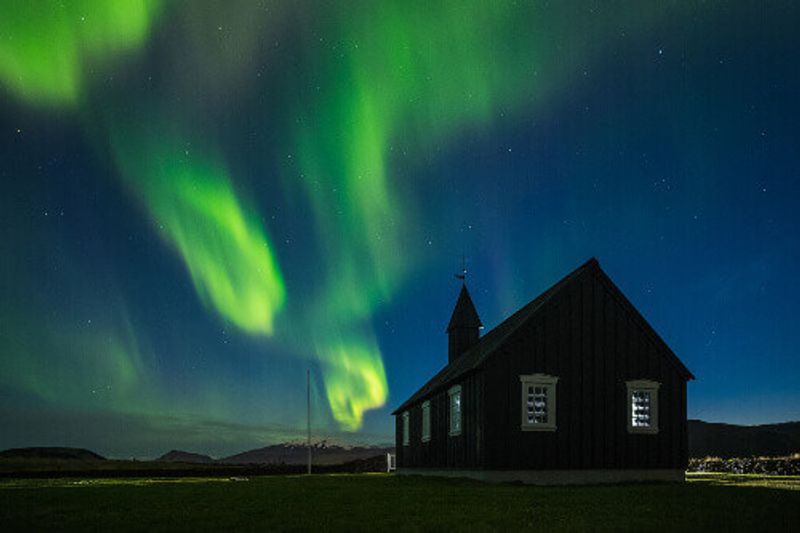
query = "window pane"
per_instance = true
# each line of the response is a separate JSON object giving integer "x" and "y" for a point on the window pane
{"x": 426, "y": 421}
{"x": 536, "y": 405}
{"x": 455, "y": 412}
{"x": 640, "y": 409}
{"x": 458, "y": 411}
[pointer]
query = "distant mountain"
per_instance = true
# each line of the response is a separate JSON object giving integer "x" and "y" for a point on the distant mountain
{"x": 322, "y": 453}
{"x": 705, "y": 439}
{"x": 728, "y": 440}
{"x": 178, "y": 456}
{"x": 51, "y": 453}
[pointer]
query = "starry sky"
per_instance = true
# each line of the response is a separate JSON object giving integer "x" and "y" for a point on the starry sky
{"x": 200, "y": 201}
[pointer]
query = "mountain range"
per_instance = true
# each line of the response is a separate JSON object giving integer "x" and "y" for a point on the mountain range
{"x": 322, "y": 453}
{"x": 705, "y": 439}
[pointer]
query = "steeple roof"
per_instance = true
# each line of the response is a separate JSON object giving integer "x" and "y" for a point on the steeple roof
{"x": 464, "y": 314}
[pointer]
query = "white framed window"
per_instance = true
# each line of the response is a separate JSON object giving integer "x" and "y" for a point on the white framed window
{"x": 642, "y": 406}
{"x": 426, "y": 421}
{"x": 406, "y": 432}
{"x": 538, "y": 402}
{"x": 455, "y": 410}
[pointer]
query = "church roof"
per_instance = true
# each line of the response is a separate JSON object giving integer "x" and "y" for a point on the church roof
{"x": 474, "y": 357}
{"x": 464, "y": 314}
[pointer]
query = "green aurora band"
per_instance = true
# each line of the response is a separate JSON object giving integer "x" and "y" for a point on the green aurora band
{"x": 106, "y": 358}
{"x": 404, "y": 67}
{"x": 355, "y": 380}
{"x": 400, "y": 78}
{"x": 48, "y": 47}
{"x": 224, "y": 246}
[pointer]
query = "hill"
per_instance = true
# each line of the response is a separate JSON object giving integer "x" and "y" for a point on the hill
{"x": 49, "y": 453}
{"x": 178, "y": 456}
{"x": 728, "y": 440}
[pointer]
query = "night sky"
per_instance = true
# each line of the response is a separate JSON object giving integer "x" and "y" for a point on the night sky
{"x": 202, "y": 200}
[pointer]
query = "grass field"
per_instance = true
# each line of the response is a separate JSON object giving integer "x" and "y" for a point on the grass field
{"x": 380, "y": 501}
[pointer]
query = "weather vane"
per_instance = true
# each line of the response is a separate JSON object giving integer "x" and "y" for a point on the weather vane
{"x": 463, "y": 275}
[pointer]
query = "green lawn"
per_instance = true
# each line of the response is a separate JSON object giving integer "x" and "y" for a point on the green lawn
{"x": 379, "y": 501}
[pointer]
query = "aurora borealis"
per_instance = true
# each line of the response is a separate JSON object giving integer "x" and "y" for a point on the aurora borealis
{"x": 49, "y": 46}
{"x": 202, "y": 200}
{"x": 224, "y": 248}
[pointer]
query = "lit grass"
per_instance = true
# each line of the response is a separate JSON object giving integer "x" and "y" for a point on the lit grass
{"x": 745, "y": 480}
{"x": 383, "y": 502}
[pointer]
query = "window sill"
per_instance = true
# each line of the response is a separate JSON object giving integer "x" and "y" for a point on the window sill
{"x": 537, "y": 428}
{"x": 426, "y": 440}
{"x": 455, "y": 433}
{"x": 643, "y": 431}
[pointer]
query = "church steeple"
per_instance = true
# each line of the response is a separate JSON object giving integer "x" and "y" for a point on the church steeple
{"x": 464, "y": 327}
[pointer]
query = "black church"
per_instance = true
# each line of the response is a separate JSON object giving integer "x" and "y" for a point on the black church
{"x": 575, "y": 387}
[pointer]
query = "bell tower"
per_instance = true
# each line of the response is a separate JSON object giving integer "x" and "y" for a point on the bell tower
{"x": 464, "y": 327}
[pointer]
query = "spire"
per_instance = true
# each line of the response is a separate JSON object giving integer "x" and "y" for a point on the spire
{"x": 463, "y": 331}
{"x": 464, "y": 314}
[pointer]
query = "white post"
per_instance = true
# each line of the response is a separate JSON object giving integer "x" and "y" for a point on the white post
{"x": 308, "y": 415}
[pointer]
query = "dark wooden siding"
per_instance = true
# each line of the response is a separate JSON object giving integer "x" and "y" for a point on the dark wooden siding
{"x": 588, "y": 337}
{"x": 443, "y": 450}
